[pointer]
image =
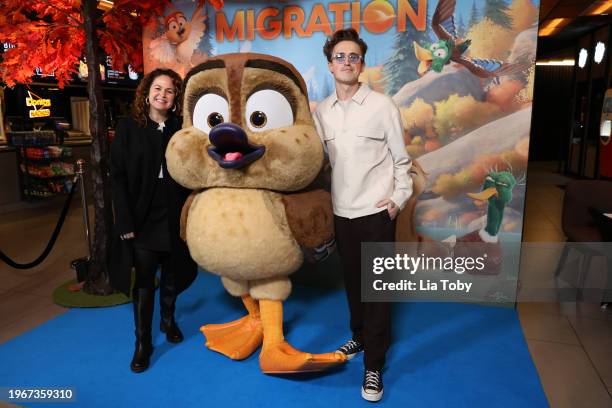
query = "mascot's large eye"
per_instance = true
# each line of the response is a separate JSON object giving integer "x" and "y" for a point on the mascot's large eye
{"x": 214, "y": 119}
{"x": 258, "y": 119}
{"x": 434, "y": 46}
{"x": 210, "y": 110}
{"x": 440, "y": 53}
{"x": 173, "y": 26}
{"x": 268, "y": 109}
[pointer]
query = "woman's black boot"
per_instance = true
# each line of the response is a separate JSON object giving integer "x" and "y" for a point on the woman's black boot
{"x": 143, "y": 317}
{"x": 167, "y": 303}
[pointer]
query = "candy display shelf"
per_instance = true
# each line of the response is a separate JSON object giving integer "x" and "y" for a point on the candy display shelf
{"x": 43, "y": 164}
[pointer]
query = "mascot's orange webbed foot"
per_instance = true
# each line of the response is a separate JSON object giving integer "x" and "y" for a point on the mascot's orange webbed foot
{"x": 282, "y": 358}
{"x": 278, "y": 356}
{"x": 238, "y": 339}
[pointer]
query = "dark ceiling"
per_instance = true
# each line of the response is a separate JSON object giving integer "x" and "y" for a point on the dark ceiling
{"x": 579, "y": 23}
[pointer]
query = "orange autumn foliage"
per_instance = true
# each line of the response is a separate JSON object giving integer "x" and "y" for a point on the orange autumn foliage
{"x": 374, "y": 78}
{"x": 418, "y": 118}
{"x": 432, "y": 144}
{"x": 490, "y": 40}
{"x": 461, "y": 114}
{"x": 524, "y": 14}
{"x": 50, "y": 35}
{"x": 471, "y": 177}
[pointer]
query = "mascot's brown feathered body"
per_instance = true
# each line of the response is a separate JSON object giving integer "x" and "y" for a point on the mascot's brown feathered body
{"x": 249, "y": 150}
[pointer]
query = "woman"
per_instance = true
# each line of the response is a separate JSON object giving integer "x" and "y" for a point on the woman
{"x": 147, "y": 204}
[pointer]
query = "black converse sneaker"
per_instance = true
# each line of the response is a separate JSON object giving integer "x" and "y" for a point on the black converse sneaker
{"x": 372, "y": 389}
{"x": 350, "y": 348}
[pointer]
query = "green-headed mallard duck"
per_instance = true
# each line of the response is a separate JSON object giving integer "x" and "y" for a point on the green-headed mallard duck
{"x": 497, "y": 192}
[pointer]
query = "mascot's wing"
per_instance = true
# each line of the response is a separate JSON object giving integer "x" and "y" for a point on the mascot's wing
{"x": 185, "y": 214}
{"x": 311, "y": 221}
{"x": 487, "y": 68}
{"x": 162, "y": 50}
{"x": 443, "y": 22}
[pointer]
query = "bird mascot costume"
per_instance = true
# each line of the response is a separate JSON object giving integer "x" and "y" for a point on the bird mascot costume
{"x": 250, "y": 152}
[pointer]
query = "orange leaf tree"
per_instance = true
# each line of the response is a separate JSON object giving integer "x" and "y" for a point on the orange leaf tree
{"x": 54, "y": 35}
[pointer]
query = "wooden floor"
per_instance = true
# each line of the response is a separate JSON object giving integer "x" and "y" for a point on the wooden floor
{"x": 571, "y": 344}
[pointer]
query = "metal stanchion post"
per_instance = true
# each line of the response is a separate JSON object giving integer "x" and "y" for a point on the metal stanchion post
{"x": 81, "y": 173}
{"x": 81, "y": 264}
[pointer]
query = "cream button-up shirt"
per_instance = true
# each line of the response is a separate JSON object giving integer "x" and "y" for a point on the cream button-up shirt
{"x": 365, "y": 144}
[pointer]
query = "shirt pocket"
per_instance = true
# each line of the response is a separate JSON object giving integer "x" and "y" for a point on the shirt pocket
{"x": 371, "y": 133}
{"x": 329, "y": 135}
{"x": 370, "y": 144}
{"x": 329, "y": 140}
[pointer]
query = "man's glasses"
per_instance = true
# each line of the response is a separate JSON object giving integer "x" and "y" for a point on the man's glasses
{"x": 352, "y": 58}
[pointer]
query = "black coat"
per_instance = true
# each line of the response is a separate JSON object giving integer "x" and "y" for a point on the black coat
{"x": 135, "y": 163}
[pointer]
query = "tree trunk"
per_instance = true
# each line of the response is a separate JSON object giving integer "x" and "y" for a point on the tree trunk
{"x": 97, "y": 279}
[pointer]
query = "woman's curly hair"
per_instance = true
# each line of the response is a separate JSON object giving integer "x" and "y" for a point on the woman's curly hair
{"x": 140, "y": 107}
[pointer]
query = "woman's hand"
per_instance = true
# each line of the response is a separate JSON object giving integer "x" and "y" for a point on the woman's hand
{"x": 129, "y": 235}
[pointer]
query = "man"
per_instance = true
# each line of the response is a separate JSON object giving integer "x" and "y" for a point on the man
{"x": 362, "y": 133}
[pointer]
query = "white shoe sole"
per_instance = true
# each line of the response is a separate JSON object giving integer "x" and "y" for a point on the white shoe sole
{"x": 349, "y": 356}
{"x": 371, "y": 397}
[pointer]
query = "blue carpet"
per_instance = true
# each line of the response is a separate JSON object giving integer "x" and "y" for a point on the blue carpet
{"x": 443, "y": 354}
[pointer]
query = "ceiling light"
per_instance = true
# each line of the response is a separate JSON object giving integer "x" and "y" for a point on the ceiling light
{"x": 582, "y": 57}
{"x": 600, "y": 50}
{"x": 552, "y": 26}
{"x": 599, "y": 8}
{"x": 565, "y": 62}
{"x": 605, "y": 128}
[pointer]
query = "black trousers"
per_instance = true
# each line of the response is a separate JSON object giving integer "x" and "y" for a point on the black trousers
{"x": 146, "y": 262}
{"x": 370, "y": 321}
